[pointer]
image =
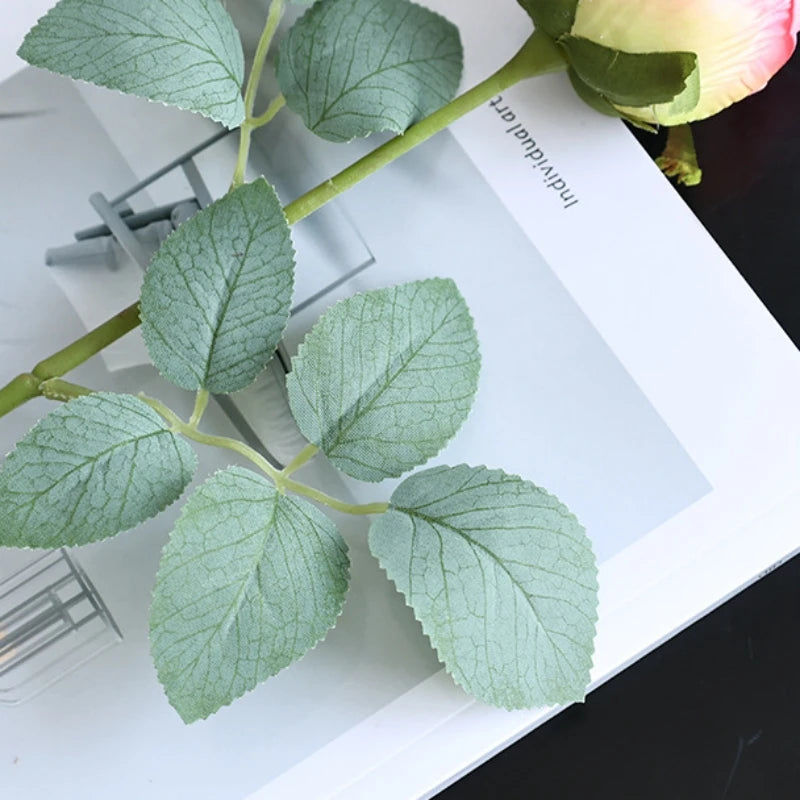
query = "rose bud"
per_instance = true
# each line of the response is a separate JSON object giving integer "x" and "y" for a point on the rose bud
{"x": 667, "y": 62}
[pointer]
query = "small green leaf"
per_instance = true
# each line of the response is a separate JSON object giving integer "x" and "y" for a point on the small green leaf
{"x": 353, "y": 67}
{"x": 629, "y": 79}
{"x": 217, "y": 295}
{"x": 99, "y": 465}
{"x": 250, "y": 581}
{"x": 185, "y": 53}
{"x": 554, "y": 17}
{"x": 501, "y": 576}
{"x": 385, "y": 379}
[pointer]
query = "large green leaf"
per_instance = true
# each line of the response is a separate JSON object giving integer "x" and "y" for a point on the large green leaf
{"x": 185, "y": 53}
{"x": 250, "y": 581}
{"x": 501, "y": 576}
{"x": 217, "y": 295}
{"x": 353, "y": 67}
{"x": 96, "y": 466}
{"x": 629, "y": 79}
{"x": 386, "y": 378}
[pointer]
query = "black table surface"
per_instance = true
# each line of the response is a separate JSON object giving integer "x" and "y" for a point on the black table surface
{"x": 714, "y": 712}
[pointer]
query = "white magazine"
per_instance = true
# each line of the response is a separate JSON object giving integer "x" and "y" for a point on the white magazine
{"x": 626, "y": 367}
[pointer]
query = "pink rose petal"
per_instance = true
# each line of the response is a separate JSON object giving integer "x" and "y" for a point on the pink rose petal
{"x": 740, "y": 44}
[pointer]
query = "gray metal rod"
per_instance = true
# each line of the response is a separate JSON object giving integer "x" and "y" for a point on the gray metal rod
{"x": 133, "y": 221}
{"x": 201, "y": 193}
{"x": 137, "y": 187}
{"x": 122, "y": 233}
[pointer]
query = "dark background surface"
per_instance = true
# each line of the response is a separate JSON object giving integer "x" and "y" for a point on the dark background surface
{"x": 715, "y": 712}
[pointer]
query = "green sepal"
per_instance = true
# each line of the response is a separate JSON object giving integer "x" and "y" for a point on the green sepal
{"x": 589, "y": 96}
{"x": 688, "y": 98}
{"x": 629, "y": 79}
{"x": 596, "y": 101}
{"x": 555, "y": 17}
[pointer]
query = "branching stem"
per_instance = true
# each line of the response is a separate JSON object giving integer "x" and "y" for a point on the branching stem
{"x": 303, "y": 457}
{"x": 267, "y": 35}
{"x": 538, "y": 55}
{"x": 250, "y": 123}
{"x": 190, "y": 432}
{"x": 272, "y": 109}
{"x": 57, "y": 389}
{"x": 332, "y": 502}
{"x": 200, "y": 403}
{"x": 279, "y": 477}
{"x": 18, "y": 391}
{"x": 29, "y": 385}
{"x": 88, "y": 345}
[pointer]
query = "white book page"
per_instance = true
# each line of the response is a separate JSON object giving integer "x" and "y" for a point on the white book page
{"x": 633, "y": 374}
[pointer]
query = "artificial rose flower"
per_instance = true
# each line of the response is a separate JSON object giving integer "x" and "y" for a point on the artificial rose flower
{"x": 740, "y": 44}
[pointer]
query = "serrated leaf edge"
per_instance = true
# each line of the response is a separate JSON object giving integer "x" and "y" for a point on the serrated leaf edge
{"x": 195, "y": 464}
{"x": 282, "y": 669}
{"x": 292, "y": 288}
{"x": 393, "y": 128}
{"x": 590, "y": 652}
{"x": 231, "y": 126}
{"x": 298, "y": 357}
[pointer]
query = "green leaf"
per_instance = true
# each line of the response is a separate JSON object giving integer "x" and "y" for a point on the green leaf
{"x": 385, "y": 379}
{"x": 217, "y": 295}
{"x": 99, "y": 465}
{"x": 353, "y": 67}
{"x": 501, "y": 576}
{"x": 250, "y": 581}
{"x": 554, "y": 17}
{"x": 185, "y": 53}
{"x": 629, "y": 79}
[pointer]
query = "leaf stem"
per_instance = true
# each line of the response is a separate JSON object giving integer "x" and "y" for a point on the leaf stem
{"x": 538, "y": 55}
{"x": 28, "y": 385}
{"x": 241, "y": 160}
{"x": 270, "y": 26}
{"x": 200, "y": 403}
{"x": 272, "y": 109}
{"x": 186, "y": 429}
{"x": 279, "y": 477}
{"x": 332, "y": 502}
{"x": 18, "y": 391}
{"x": 64, "y": 391}
{"x": 303, "y": 457}
{"x": 88, "y": 345}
